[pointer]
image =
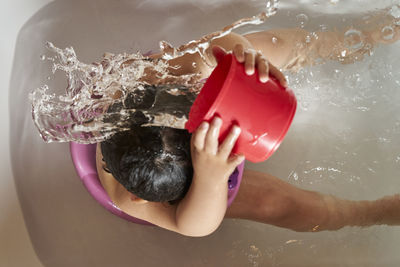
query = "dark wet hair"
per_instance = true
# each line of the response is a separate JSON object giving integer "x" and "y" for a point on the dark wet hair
{"x": 154, "y": 163}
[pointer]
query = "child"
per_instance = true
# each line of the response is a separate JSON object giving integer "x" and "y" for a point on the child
{"x": 153, "y": 158}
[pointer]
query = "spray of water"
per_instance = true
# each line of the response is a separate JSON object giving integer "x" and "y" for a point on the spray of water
{"x": 106, "y": 97}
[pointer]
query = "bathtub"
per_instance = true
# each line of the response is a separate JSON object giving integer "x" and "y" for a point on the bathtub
{"x": 343, "y": 140}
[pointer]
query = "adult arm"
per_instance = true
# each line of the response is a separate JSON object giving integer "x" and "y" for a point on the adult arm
{"x": 295, "y": 48}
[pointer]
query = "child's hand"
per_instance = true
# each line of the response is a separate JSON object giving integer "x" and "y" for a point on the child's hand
{"x": 252, "y": 59}
{"x": 210, "y": 161}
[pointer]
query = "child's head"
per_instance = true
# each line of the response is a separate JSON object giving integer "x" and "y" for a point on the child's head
{"x": 153, "y": 163}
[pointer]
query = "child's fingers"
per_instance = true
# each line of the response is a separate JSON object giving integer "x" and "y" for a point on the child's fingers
{"x": 238, "y": 51}
{"x": 227, "y": 145}
{"x": 199, "y": 135}
{"x": 278, "y": 75}
{"x": 263, "y": 68}
{"x": 211, "y": 143}
{"x": 249, "y": 62}
{"x": 235, "y": 160}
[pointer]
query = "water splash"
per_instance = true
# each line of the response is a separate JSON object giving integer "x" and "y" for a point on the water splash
{"x": 87, "y": 112}
{"x": 271, "y": 7}
{"x": 200, "y": 46}
{"x": 109, "y": 96}
{"x": 395, "y": 11}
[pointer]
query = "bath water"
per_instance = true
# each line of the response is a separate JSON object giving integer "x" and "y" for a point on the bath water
{"x": 87, "y": 112}
{"x": 343, "y": 141}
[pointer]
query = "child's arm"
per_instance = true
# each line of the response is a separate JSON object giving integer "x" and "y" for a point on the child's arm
{"x": 204, "y": 206}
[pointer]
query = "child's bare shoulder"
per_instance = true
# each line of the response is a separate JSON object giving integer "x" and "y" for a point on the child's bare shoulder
{"x": 158, "y": 213}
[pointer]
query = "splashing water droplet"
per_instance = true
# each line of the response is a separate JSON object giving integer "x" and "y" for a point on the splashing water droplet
{"x": 353, "y": 39}
{"x": 387, "y": 33}
{"x": 395, "y": 11}
{"x": 334, "y": 1}
{"x": 294, "y": 175}
{"x": 271, "y": 7}
{"x": 337, "y": 73}
{"x": 308, "y": 38}
{"x": 323, "y": 27}
{"x": 42, "y": 57}
{"x": 274, "y": 40}
{"x": 302, "y": 19}
{"x": 194, "y": 65}
{"x": 315, "y": 35}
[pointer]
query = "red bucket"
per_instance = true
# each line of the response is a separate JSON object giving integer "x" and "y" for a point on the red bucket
{"x": 264, "y": 111}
